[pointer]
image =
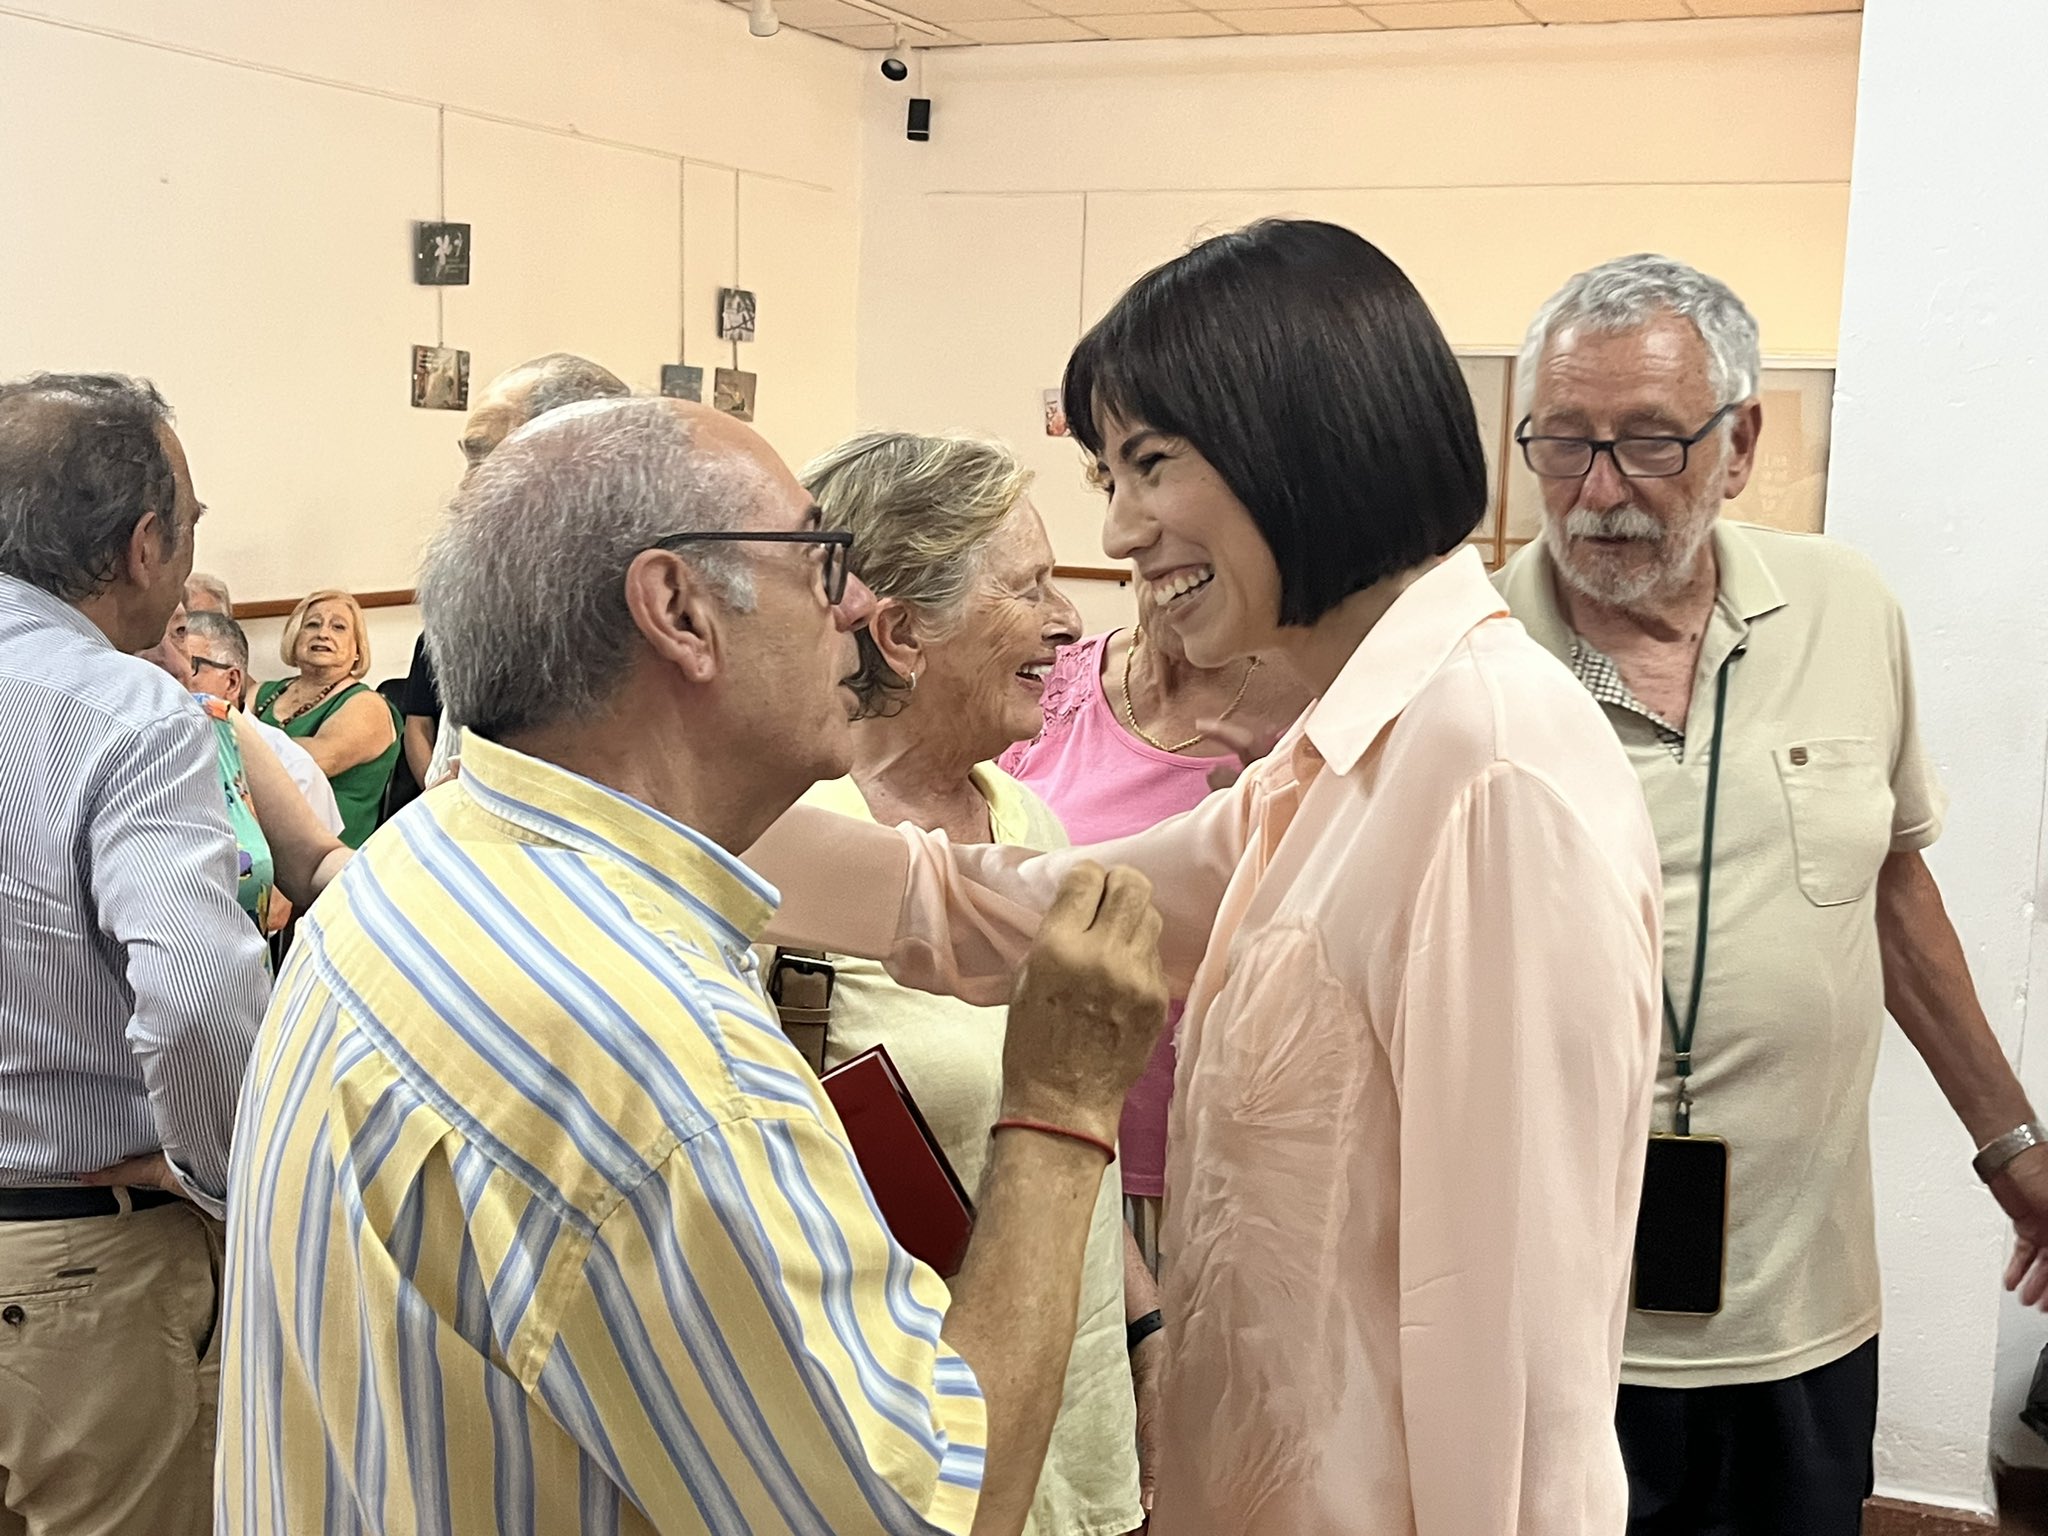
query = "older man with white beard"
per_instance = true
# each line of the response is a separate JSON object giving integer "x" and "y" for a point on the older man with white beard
{"x": 1782, "y": 765}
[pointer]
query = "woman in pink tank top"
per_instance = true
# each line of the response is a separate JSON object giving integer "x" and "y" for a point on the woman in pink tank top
{"x": 1134, "y": 734}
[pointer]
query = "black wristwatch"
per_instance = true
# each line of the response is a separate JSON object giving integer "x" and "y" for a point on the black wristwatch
{"x": 1139, "y": 1329}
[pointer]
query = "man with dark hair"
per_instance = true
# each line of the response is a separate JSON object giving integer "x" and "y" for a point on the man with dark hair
{"x": 509, "y": 401}
{"x": 133, "y": 983}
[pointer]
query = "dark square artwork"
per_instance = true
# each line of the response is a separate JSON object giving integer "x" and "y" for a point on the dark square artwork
{"x": 735, "y": 314}
{"x": 679, "y": 381}
{"x": 440, "y": 255}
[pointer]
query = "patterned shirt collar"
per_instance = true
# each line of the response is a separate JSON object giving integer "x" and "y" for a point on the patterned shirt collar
{"x": 1602, "y": 678}
{"x": 550, "y": 802}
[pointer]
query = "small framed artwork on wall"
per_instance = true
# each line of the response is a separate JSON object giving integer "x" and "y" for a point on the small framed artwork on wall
{"x": 440, "y": 255}
{"x": 440, "y": 379}
{"x": 735, "y": 314}
{"x": 679, "y": 381}
{"x": 733, "y": 392}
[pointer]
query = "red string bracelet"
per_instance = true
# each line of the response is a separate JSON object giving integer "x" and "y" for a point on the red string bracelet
{"x": 1107, "y": 1149}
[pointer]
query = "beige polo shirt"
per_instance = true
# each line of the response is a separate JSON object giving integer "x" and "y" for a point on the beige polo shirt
{"x": 1822, "y": 776}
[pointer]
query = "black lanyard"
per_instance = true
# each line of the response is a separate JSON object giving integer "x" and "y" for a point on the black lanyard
{"x": 1681, "y": 1035}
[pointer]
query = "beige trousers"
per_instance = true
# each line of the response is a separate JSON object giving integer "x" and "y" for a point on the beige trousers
{"x": 109, "y": 1374}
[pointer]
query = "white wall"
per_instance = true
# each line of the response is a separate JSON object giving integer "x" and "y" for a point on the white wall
{"x": 1490, "y": 163}
{"x": 219, "y": 194}
{"x": 1942, "y": 374}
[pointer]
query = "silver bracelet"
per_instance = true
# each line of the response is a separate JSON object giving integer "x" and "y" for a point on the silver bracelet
{"x": 1994, "y": 1155}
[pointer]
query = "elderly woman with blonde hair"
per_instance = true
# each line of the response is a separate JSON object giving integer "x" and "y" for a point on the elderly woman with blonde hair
{"x": 953, "y": 666}
{"x": 347, "y": 726}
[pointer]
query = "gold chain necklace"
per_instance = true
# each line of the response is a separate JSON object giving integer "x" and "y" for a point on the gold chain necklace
{"x": 1131, "y": 719}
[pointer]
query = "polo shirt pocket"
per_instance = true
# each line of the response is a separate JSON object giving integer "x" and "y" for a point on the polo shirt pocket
{"x": 1839, "y": 798}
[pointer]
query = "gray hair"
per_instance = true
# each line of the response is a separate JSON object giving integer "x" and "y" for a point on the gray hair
{"x": 223, "y": 632}
{"x": 563, "y": 378}
{"x": 522, "y": 592}
{"x": 214, "y": 587}
{"x": 82, "y": 462}
{"x": 1632, "y": 291}
{"x": 922, "y": 511}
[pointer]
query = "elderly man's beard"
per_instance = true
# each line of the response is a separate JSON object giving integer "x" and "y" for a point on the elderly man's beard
{"x": 1659, "y": 560}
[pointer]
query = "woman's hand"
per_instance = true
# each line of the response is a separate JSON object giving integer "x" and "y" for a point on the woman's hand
{"x": 1247, "y": 742}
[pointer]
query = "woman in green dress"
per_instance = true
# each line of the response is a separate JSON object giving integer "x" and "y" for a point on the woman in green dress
{"x": 347, "y": 726}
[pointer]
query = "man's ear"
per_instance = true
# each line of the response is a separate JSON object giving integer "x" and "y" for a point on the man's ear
{"x": 677, "y": 613}
{"x": 1743, "y": 433}
{"x": 893, "y": 628}
{"x": 146, "y": 549}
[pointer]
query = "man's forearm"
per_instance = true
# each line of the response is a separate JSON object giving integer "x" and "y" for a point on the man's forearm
{"x": 1015, "y": 1303}
{"x": 1927, "y": 988}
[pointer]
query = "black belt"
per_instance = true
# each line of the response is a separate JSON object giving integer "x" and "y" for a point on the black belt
{"x": 67, "y": 1202}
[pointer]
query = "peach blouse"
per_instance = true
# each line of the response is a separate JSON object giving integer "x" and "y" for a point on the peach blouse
{"x": 1420, "y": 946}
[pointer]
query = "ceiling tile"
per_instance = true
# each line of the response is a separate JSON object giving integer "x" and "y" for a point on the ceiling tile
{"x": 1123, "y": 7}
{"x": 806, "y": 14}
{"x": 1448, "y": 13}
{"x": 1290, "y": 19}
{"x": 1045, "y": 29}
{"x": 1160, "y": 24}
{"x": 1772, "y": 7}
{"x": 945, "y": 12}
{"x": 858, "y": 37}
{"x": 1606, "y": 10}
{"x": 1266, "y": 5}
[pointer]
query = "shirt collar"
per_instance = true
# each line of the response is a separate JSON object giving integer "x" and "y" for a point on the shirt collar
{"x": 545, "y": 800}
{"x": 1411, "y": 642}
{"x": 35, "y": 603}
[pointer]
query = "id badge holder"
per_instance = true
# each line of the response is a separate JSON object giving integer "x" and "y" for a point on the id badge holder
{"x": 1682, "y": 1229}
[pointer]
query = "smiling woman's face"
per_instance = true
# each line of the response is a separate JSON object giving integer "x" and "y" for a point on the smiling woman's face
{"x": 986, "y": 679}
{"x": 1200, "y": 556}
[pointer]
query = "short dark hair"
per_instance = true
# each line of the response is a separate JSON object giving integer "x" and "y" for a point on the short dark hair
{"x": 1299, "y": 361}
{"x": 563, "y": 378}
{"x": 82, "y": 461}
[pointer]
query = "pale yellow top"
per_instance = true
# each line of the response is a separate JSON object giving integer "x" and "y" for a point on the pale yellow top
{"x": 951, "y": 1057}
{"x": 1822, "y": 776}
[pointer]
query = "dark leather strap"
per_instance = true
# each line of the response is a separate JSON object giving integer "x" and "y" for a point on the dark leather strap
{"x": 800, "y": 983}
{"x": 68, "y": 1202}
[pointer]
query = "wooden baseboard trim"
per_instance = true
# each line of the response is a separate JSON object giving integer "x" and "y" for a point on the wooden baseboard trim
{"x": 1897, "y": 1517}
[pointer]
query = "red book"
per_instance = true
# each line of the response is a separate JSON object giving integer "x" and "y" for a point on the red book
{"x": 916, "y": 1188}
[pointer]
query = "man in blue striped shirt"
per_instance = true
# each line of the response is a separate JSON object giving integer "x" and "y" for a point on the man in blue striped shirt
{"x": 540, "y": 1224}
{"x": 132, "y": 982}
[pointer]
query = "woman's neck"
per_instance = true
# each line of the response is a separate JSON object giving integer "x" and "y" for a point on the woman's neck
{"x": 316, "y": 677}
{"x": 1169, "y": 696}
{"x": 907, "y": 771}
{"x": 1318, "y": 653}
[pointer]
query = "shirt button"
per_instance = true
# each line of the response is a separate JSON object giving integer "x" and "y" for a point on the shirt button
{"x": 1799, "y": 757}
{"x": 13, "y": 1317}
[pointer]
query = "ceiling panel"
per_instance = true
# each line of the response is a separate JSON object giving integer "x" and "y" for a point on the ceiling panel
{"x": 1044, "y": 29}
{"x": 1290, "y": 19}
{"x": 1450, "y": 13}
{"x": 1163, "y": 24}
{"x": 1772, "y": 7}
{"x": 950, "y": 23}
{"x": 1606, "y": 10}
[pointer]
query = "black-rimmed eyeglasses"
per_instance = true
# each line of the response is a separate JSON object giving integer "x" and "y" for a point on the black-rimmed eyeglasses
{"x": 836, "y": 544}
{"x": 1640, "y": 458}
{"x": 207, "y": 661}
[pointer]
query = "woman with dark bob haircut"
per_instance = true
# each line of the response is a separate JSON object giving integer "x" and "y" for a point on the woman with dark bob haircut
{"x": 1419, "y": 940}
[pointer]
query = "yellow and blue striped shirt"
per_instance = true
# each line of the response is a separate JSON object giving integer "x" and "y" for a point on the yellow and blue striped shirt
{"x": 537, "y": 1222}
